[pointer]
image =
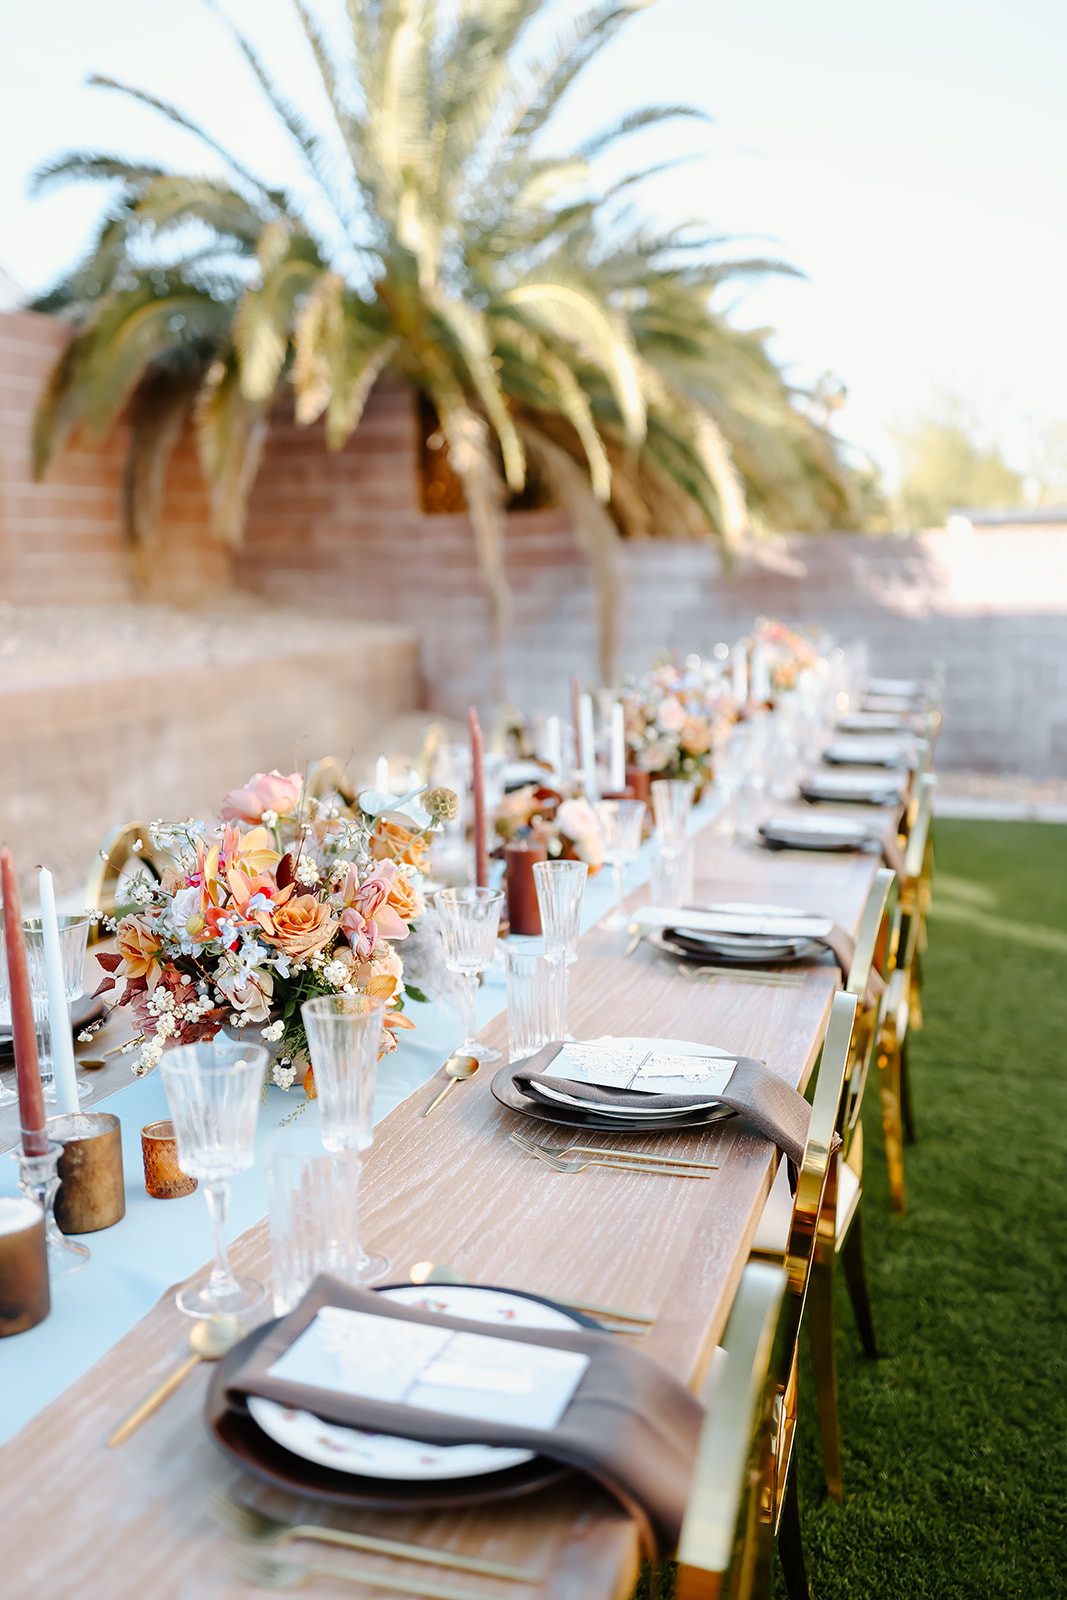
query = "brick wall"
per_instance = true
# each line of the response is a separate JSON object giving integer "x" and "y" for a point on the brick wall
{"x": 62, "y": 539}
{"x": 344, "y": 533}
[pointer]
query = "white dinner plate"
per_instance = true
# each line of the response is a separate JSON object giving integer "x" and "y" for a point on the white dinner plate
{"x": 382, "y": 1455}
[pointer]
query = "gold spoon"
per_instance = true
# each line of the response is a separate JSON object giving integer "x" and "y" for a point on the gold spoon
{"x": 92, "y": 1063}
{"x": 209, "y": 1340}
{"x": 457, "y": 1068}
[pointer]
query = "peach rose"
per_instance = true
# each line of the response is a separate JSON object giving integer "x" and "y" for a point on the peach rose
{"x": 695, "y": 735}
{"x": 303, "y": 925}
{"x": 139, "y": 949}
{"x": 264, "y": 791}
{"x": 405, "y": 899}
{"x": 391, "y": 842}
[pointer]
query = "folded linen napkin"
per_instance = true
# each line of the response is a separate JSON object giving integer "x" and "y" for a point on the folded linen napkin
{"x": 826, "y": 839}
{"x": 752, "y": 1090}
{"x": 628, "y": 1424}
{"x": 840, "y": 944}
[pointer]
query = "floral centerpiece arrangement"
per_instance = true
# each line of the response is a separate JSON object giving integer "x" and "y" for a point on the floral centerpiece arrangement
{"x": 288, "y": 897}
{"x": 673, "y": 717}
{"x": 567, "y": 826}
{"x": 788, "y": 653}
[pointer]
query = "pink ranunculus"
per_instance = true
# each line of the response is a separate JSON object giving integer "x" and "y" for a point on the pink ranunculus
{"x": 671, "y": 715}
{"x": 362, "y": 932}
{"x": 264, "y": 791}
{"x": 371, "y": 900}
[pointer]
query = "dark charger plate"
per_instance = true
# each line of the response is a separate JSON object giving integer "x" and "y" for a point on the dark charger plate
{"x": 87, "y": 1008}
{"x": 507, "y": 1094}
{"x": 240, "y": 1438}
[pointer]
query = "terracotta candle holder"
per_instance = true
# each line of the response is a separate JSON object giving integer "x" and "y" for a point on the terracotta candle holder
{"x": 639, "y": 782}
{"x": 91, "y": 1192}
{"x": 524, "y": 914}
{"x": 24, "y": 1296}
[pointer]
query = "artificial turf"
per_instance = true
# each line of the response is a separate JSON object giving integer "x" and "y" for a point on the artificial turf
{"x": 955, "y": 1441}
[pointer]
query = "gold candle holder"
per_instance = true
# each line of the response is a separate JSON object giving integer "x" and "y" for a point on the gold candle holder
{"x": 163, "y": 1178}
{"x": 91, "y": 1192}
{"x": 24, "y": 1294}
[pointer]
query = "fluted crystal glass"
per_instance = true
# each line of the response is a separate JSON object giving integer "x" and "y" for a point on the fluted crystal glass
{"x": 213, "y": 1094}
{"x": 344, "y": 1034}
{"x": 620, "y": 822}
{"x": 470, "y": 922}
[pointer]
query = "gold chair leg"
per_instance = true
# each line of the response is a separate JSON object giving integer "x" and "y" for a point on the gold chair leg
{"x": 907, "y": 1108}
{"x": 824, "y": 1366}
{"x": 856, "y": 1278}
{"x": 889, "y": 1094}
{"x": 915, "y": 1005}
{"x": 791, "y": 1544}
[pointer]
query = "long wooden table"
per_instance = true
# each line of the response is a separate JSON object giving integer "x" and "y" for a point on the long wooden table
{"x": 125, "y": 1524}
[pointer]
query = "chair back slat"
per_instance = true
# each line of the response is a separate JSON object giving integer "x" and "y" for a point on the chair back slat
{"x": 726, "y": 1535}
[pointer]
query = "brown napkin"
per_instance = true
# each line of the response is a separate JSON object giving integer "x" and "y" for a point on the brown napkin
{"x": 629, "y": 1424}
{"x": 841, "y": 945}
{"x": 753, "y": 1091}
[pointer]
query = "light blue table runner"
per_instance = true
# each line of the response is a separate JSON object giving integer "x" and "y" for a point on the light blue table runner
{"x": 160, "y": 1242}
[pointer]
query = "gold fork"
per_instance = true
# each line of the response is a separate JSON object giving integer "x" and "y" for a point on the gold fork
{"x": 270, "y": 1573}
{"x": 601, "y": 1161}
{"x": 245, "y": 1522}
{"x": 768, "y": 980}
{"x": 563, "y": 1151}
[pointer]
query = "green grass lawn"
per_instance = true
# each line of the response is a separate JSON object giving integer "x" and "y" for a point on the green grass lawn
{"x": 955, "y": 1442}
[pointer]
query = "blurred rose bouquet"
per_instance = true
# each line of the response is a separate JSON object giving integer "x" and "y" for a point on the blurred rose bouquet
{"x": 566, "y": 826}
{"x": 288, "y": 897}
{"x": 674, "y": 716}
{"x": 788, "y": 653}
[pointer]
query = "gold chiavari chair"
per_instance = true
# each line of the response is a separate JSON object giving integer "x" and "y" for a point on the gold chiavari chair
{"x": 724, "y": 1552}
{"x": 841, "y": 1234}
{"x": 126, "y": 847}
{"x": 902, "y": 1010}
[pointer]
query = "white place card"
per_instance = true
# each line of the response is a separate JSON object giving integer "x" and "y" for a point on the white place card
{"x": 434, "y": 1369}
{"x": 793, "y": 926}
{"x": 644, "y": 1071}
{"x": 612, "y": 1067}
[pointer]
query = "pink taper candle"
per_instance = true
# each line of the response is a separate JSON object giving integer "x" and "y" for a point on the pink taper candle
{"x": 27, "y": 1071}
{"x": 481, "y": 853}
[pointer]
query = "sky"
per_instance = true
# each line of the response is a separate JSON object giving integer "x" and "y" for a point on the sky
{"x": 908, "y": 159}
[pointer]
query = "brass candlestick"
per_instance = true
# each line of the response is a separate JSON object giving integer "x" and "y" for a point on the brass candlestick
{"x": 39, "y": 1180}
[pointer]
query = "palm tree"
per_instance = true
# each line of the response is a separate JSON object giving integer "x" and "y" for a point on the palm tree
{"x": 445, "y": 247}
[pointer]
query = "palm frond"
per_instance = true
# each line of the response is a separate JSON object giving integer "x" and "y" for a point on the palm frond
{"x": 634, "y": 122}
{"x": 577, "y": 319}
{"x": 162, "y": 408}
{"x": 231, "y": 431}
{"x": 468, "y": 449}
{"x": 468, "y": 329}
{"x": 172, "y": 113}
{"x": 261, "y": 324}
{"x": 596, "y": 537}
{"x": 79, "y": 166}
